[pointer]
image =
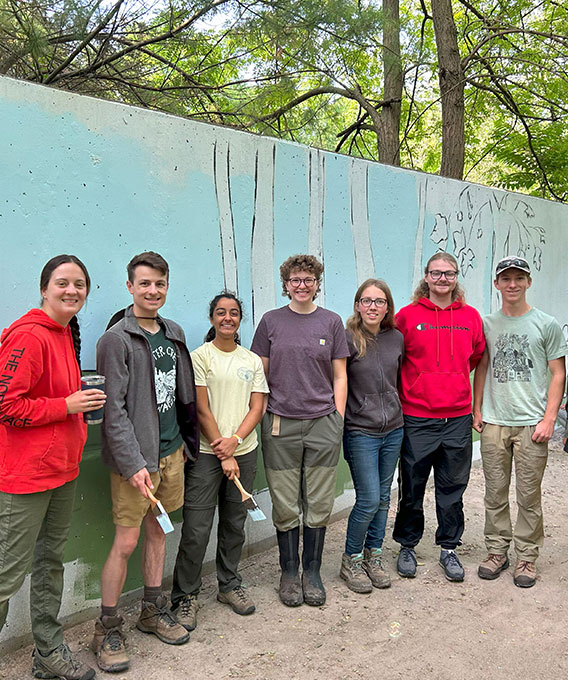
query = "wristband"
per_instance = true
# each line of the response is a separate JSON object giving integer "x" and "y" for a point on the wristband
{"x": 239, "y": 439}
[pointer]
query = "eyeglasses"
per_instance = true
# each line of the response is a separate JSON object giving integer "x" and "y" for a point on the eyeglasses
{"x": 367, "y": 302}
{"x": 436, "y": 274}
{"x": 308, "y": 281}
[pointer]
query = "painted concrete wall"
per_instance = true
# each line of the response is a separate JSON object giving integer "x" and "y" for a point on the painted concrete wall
{"x": 106, "y": 181}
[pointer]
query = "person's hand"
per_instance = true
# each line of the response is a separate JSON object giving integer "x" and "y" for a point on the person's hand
{"x": 477, "y": 421}
{"x": 84, "y": 401}
{"x": 543, "y": 432}
{"x": 141, "y": 480}
{"x": 230, "y": 467}
{"x": 224, "y": 447}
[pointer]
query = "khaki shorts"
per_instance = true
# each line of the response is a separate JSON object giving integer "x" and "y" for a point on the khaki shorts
{"x": 129, "y": 506}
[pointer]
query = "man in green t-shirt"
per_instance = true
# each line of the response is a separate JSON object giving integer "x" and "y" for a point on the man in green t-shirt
{"x": 518, "y": 387}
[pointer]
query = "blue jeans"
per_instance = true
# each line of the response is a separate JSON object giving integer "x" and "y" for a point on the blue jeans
{"x": 372, "y": 461}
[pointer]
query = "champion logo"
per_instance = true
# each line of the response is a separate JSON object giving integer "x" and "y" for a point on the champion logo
{"x": 431, "y": 327}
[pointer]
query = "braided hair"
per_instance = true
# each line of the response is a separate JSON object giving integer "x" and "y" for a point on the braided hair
{"x": 44, "y": 279}
{"x": 223, "y": 294}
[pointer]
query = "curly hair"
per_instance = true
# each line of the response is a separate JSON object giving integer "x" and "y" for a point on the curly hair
{"x": 304, "y": 263}
{"x": 422, "y": 290}
{"x": 355, "y": 324}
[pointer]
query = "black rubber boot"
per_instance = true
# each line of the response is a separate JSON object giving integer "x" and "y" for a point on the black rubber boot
{"x": 290, "y": 590}
{"x": 314, "y": 592}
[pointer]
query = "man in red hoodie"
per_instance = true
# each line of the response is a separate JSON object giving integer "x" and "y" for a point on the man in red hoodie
{"x": 444, "y": 341}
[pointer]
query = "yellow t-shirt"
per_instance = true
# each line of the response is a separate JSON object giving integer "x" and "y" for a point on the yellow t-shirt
{"x": 230, "y": 379}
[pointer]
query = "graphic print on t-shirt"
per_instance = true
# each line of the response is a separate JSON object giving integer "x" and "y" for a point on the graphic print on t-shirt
{"x": 165, "y": 356}
{"x": 511, "y": 363}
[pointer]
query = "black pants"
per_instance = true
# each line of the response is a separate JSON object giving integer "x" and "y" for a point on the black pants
{"x": 443, "y": 444}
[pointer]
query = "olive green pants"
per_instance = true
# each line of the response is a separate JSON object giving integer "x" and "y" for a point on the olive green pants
{"x": 500, "y": 446}
{"x": 33, "y": 532}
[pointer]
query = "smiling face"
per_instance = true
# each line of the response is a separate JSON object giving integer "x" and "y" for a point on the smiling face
{"x": 65, "y": 293}
{"x": 300, "y": 291}
{"x": 372, "y": 314}
{"x": 226, "y": 318}
{"x": 148, "y": 288}
{"x": 441, "y": 287}
{"x": 513, "y": 285}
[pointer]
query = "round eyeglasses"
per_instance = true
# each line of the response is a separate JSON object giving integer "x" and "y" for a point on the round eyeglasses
{"x": 436, "y": 274}
{"x": 367, "y": 302}
{"x": 309, "y": 281}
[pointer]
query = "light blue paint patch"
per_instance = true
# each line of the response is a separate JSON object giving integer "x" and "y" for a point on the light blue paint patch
{"x": 393, "y": 218}
{"x": 340, "y": 276}
{"x": 291, "y": 207}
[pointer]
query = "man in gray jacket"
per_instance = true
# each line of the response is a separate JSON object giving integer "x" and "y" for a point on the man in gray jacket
{"x": 149, "y": 430}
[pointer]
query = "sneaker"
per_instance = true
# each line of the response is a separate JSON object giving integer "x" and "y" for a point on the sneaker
{"x": 406, "y": 563}
{"x": 108, "y": 644}
{"x": 238, "y": 600}
{"x": 525, "y": 574}
{"x": 373, "y": 565}
{"x": 60, "y": 663}
{"x": 352, "y": 573}
{"x": 156, "y": 618}
{"x": 451, "y": 565}
{"x": 492, "y": 566}
{"x": 186, "y": 611}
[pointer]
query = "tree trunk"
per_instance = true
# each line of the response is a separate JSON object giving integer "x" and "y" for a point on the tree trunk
{"x": 389, "y": 143}
{"x": 450, "y": 74}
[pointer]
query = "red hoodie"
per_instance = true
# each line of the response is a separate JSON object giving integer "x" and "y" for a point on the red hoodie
{"x": 441, "y": 347}
{"x": 40, "y": 445}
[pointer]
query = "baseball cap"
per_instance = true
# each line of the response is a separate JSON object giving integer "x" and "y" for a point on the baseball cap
{"x": 512, "y": 262}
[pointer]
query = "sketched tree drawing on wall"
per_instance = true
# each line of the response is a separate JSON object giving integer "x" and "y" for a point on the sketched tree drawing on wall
{"x": 316, "y": 194}
{"x": 359, "y": 214}
{"x": 221, "y": 174}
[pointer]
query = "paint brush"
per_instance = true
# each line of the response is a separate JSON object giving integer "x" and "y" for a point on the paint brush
{"x": 160, "y": 514}
{"x": 251, "y": 505}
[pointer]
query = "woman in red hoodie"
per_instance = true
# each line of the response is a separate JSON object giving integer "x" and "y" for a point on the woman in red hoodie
{"x": 42, "y": 435}
{"x": 443, "y": 342}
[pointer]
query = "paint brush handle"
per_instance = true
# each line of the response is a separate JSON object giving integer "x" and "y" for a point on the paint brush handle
{"x": 244, "y": 494}
{"x": 151, "y": 496}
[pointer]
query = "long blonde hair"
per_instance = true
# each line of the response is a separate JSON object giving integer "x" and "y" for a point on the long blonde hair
{"x": 422, "y": 290}
{"x": 355, "y": 323}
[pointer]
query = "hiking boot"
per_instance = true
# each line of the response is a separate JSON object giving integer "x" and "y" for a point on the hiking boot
{"x": 290, "y": 589}
{"x": 156, "y": 618}
{"x": 373, "y": 565}
{"x": 492, "y": 566}
{"x": 238, "y": 600}
{"x": 406, "y": 563}
{"x": 314, "y": 592}
{"x": 60, "y": 663}
{"x": 352, "y": 572}
{"x": 524, "y": 575}
{"x": 451, "y": 565}
{"x": 108, "y": 644}
{"x": 186, "y": 611}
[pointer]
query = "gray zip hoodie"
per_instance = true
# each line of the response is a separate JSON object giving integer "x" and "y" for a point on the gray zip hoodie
{"x": 373, "y": 404}
{"x": 131, "y": 426}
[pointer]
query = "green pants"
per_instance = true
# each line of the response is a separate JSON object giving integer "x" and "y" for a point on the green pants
{"x": 300, "y": 461}
{"x": 33, "y": 531}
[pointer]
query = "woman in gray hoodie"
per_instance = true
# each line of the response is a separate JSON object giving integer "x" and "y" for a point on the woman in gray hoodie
{"x": 373, "y": 430}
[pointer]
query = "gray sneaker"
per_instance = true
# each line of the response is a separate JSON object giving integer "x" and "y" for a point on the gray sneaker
{"x": 451, "y": 565}
{"x": 60, "y": 663}
{"x": 406, "y": 563}
{"x": 186, "y": 611}
{"x": 238, "y": 600}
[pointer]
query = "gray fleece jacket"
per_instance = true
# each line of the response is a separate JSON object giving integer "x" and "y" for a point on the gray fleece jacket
{"x": 131, "y": 425}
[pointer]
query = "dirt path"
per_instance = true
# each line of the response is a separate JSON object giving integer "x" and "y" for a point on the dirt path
{"x": 421, "y": 628}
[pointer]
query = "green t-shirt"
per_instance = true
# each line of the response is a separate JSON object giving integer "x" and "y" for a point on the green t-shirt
{"x": 520, "y": 347}
{"x": 165, "y": 360}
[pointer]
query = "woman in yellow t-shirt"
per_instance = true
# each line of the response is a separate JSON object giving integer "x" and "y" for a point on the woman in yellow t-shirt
{"x": 231, "y": 389}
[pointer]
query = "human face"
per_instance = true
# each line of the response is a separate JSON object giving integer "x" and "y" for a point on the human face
{"x": 65, "y": 293}
{"x": 226, "y": 319}
{"x": 148, "y": 290}
{"x": 302, "y": 293}
{"x": 513, "y": 285}
{"x": 441, "y": 287}
{"x": 372, "y": 315}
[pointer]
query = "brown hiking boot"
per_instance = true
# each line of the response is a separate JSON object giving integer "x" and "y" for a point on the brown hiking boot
{"x": 352, "y": 573}
{"x": 60, "y": 663}
{"x": 373, "y": 565}
{"x": 524, "y": 575}
{"x": 238, "y": 600}
{"x": 492, "y": 566}
{"x": 108, "y": 644}
{"x": 156, "y": 618}
{"x": 186, "y": 611}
